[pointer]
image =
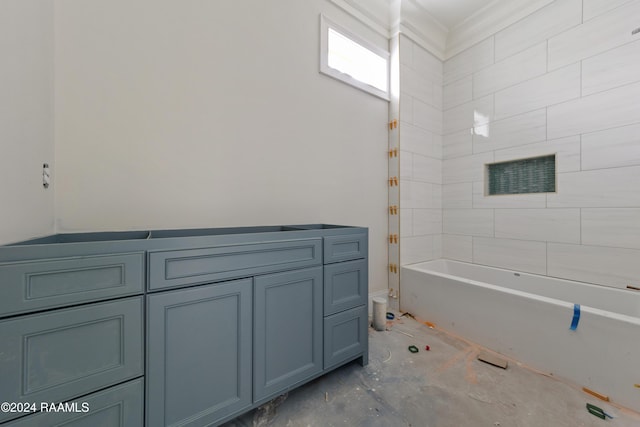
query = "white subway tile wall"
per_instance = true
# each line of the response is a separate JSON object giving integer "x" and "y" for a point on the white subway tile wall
{"x": 415, "y": 249}
{"x": 418, "y": 140}
{"x": 603, "y": 110}
{"x": 517, "y": 130}
{"x": 427, "y": 116}
{"x": 457, "y": 144}
{"x": 611, "y": 148}
{"x": 553, "y": 19}
{"x": 469, "y": 61}
{"x": 427, "y": 169}
{"x": 458, "y": 92}
{"x": 470, "y": 222}
{"x": 421, "y": 121}
{"x": 519, "y": 255}
{"x": 600, "y": 188}
{"x": 617, "y": 227}
{"x": 605, "y": 32}
{"x": 515, "y": 69}
{"x": 609, "y": 266}
{"x": 427, "y": 221}
{"x": 616, "y": 67}
{"x": 550, "y": 225}
{"x": 457, "y": 195}
{"x": 567, "y": 151}
{"x": 566, "y": 81}
{"x": 457, "y": 247}
{"x": 406, "y": 222}
{"x": 506, "y": 201}
{"x": 593, "y": 8}
{"x": 540, "y": 92}
{"x": 466, "y": 168}
{"x": 437, "y": 246}
{"x": 468, "y": 115}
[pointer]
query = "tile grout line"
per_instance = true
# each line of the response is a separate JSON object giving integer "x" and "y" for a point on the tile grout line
{"x": 494, "y": 223}
{"x": 546, "y": 124}
{"x": 581, "y": 226}
{"x": 546, "y": 258}
{"x": 473, "y": 255}
{"x": 580, "y": 136}
{"x": 581, "y": 78}
{"x": 547, "y": 57}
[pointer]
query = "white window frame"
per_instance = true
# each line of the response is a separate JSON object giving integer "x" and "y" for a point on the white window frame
{"x": 325, "y": 25}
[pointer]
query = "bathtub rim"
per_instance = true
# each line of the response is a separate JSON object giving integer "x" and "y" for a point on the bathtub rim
{"x": 528, "y": 295}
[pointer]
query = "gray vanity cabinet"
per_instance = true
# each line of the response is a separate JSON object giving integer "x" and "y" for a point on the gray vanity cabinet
{"x": 234, "y": 317}
{"x": 199, "y": 354}
{"x": 287, "y": 330}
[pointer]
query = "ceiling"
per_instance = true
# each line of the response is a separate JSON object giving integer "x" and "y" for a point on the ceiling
{"x": 450, "y": 13}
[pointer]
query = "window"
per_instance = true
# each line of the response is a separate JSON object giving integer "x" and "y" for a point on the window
{"x": 533, "y": 175}
{"x": 353, "y": 60}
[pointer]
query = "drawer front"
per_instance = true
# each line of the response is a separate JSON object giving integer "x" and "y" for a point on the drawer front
{"x": 345, "y": 336}
{"x": 36, "y": 285}
{"x": 345, "y": 247}
{"x": 195, "y": 266}
{"x": 120, "y": 406}
{"x": 60, "y": 355}
{"x": 345, "y": 286}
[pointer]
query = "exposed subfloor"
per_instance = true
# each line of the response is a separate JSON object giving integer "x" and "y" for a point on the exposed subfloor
{"x": 444, "y": 387}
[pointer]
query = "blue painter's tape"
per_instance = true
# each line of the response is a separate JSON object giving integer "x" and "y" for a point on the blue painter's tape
{"x": 576, "y": 317}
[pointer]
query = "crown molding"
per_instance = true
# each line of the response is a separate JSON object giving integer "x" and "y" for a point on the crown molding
{"x": 425, "y": 30}
{"x": 495, "y": 16}
{"x": 376, "y": 18}
{"x": 434, "y": 45}
{"x": 391, "y": 17}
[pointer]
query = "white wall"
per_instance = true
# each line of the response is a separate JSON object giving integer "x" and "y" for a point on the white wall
{"x": 26, "y": 118}
{"x": 420, "y": 153}
{"x": 564, "y": 80}
{"x": 208, "y": 114}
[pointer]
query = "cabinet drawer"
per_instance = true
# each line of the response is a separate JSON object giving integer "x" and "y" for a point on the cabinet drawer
{"x": 35, "y": 285}
{"x": 119, "y": 406}
{"x": 194, "y": 266}
{"x": 345, "y": 336}
{"x": 345, "y": 247}
{"x": 345, "y": 286}
{"x": 60, "y": 355}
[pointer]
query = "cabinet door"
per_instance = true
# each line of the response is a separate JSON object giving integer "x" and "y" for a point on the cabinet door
{"x": 199, "y": 354}
{"x": 287, "y": 330}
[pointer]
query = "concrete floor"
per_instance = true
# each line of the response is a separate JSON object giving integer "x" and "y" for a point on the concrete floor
{"x": 444, "y": 387}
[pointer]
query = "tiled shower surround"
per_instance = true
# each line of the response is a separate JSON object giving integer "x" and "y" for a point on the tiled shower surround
{"x": 565, "y": 80}
{"x": 420, "y": 154}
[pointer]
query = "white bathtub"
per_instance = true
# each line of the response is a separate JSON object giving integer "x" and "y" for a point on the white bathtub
{"x": 528, "y": 317}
